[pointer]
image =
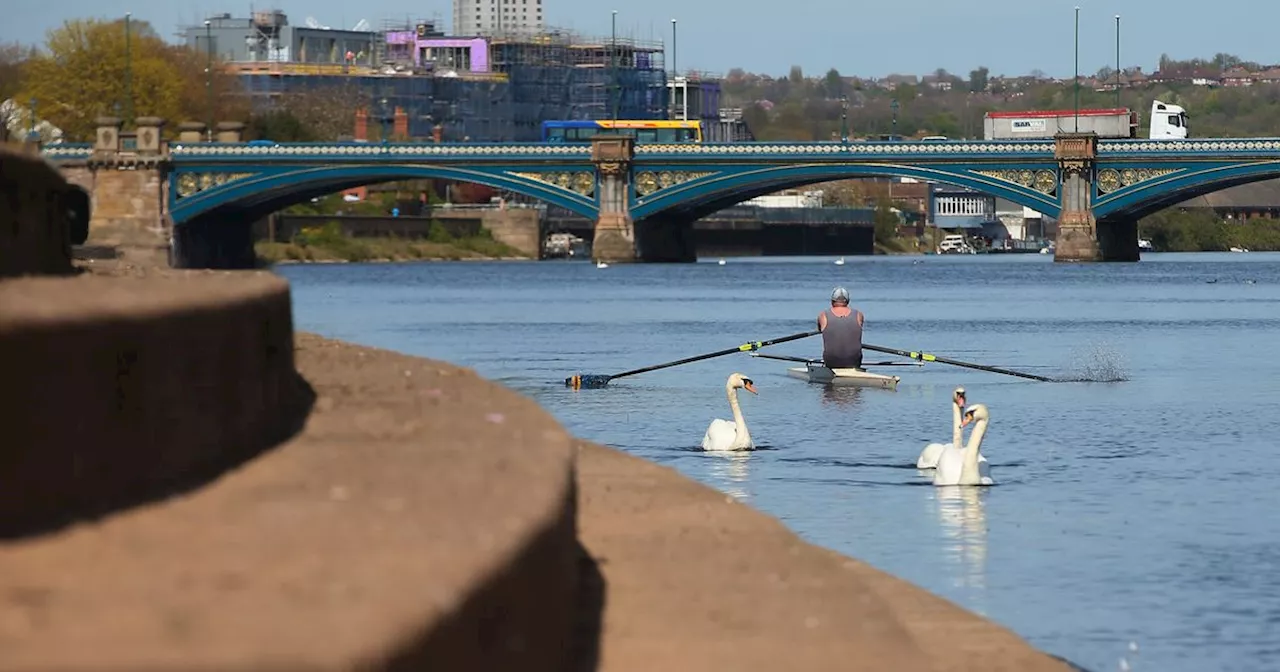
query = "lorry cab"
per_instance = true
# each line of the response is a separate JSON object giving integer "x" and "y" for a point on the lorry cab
{"x": 1167, "y": 121}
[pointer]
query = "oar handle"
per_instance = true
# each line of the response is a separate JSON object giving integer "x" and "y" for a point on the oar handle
{"x": 745, "y": 347}
{"x": 926, "y": 357}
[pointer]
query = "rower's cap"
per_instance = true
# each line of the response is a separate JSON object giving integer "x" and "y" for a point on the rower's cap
{"x": 840, "y": 294}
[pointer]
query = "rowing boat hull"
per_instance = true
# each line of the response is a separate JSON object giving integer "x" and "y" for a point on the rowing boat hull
{"x": 844, "y": 377}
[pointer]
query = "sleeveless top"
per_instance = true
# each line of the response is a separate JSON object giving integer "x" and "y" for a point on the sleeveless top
{"x": 842, "y": 339}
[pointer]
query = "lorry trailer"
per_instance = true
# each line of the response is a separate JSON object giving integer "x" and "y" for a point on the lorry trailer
{"x": 1167, "y": 122}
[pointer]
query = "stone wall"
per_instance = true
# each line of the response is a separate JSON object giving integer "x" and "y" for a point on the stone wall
{"x": 41, "y": 215}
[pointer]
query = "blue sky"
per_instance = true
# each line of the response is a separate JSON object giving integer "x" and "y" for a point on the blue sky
{"x": 869, "y": 39}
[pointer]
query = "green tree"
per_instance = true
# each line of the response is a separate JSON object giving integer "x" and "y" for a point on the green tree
{"x": 979, "y": 79}
{"x": 280, "y": 126}
{"x": 886, "y": 222}
{"x": 834, "y": 83}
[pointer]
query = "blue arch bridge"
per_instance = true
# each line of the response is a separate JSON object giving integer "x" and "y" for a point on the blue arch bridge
{"x": 644, "y": 198}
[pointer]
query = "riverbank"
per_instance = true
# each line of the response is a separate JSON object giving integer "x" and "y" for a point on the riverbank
{"x": 329, "y": 245}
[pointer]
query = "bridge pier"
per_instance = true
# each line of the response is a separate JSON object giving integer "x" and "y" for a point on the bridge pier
{"x": 1081, "y": 237}
{"x": 125, "y": 178}
{"x": 615, "y": 235}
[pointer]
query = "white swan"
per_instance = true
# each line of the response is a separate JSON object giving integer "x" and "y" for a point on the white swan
{"x": 929, "y": 456}
{"x": 966, "y": 467}
{"x": 726, "y": 435}
{"x": 840, "y": 261}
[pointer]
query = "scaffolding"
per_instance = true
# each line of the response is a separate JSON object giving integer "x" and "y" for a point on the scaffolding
{"x": 558, "y": 75}
{"x": 516, "y": 81}
{"x": 397, "y": 53}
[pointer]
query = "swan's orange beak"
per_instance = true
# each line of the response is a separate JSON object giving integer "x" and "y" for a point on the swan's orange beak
{"x": 750, "y": 387}
{"x": 968, "y": 418}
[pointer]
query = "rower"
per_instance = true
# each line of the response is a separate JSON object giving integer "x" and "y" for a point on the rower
{"x": 841, "y": 328}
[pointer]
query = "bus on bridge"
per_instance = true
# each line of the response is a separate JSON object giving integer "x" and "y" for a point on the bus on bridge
{"x": 644, "y": 131}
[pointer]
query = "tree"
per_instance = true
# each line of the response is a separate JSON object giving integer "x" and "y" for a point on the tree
{"x": 979, "y": 79}
{"x": 80, "y": 75}
{"x": 280, "y": 126}
{"x": 886, "y": 222}
{"x": 330, "y": 111}
{"x": 12, "y": 61}
{"x": 833, "y": 83}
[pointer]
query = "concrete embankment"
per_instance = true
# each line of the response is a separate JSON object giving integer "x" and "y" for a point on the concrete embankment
{"x": 185, "y": 483}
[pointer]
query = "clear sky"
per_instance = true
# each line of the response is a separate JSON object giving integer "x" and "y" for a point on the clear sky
{"x": 769, "y": 36}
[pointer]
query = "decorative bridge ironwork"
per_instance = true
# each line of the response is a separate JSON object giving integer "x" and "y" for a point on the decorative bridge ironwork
{"x": 1122, "y": 179}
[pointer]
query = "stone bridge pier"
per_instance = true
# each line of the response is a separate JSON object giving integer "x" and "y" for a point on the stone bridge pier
{"x": 619, "y": 238}
{"x": 1081, "y": 236}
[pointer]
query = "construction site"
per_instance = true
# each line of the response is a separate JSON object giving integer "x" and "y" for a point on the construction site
{"x": 495, "y": 88}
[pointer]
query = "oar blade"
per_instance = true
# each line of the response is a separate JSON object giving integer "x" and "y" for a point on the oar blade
{"x": 587, "y": 381}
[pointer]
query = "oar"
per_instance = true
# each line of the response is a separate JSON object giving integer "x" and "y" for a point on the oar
{"x": 786, "y": 358}
{"x": 592, "y": 381}
{"x": 926, "y": 357}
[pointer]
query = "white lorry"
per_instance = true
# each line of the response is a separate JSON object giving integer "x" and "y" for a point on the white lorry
{"x": 1167, "y": 122}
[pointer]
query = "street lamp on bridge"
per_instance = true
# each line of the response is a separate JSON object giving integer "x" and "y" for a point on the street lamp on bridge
{"x": 893, "y": 105}
{"x": 1117, "y": 60}
{"x": 1077, "y": 79}
{"x": 208, "y": 76}
{"x": 844, "y": 118}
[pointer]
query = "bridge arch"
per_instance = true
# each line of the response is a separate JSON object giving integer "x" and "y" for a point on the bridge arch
{"x": 723, "y": 189}
{"x": 268, "y": 191}
{"x": 1153, "y": 195}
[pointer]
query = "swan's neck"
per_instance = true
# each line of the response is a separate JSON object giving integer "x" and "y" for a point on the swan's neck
{"x": 739, "y": 423}
{"x": 969, "y": 471}
{"x": 956, "y": 430}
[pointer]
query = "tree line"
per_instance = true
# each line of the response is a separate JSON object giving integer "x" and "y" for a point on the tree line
{"x": 801, "y": 108}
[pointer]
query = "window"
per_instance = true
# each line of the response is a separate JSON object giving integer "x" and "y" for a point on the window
{"x": 1175, "y": 120}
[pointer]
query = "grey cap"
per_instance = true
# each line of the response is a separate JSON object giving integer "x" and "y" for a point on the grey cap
{"x": 840, "y": 294}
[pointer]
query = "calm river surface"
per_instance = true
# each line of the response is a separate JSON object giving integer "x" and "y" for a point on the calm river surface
{"x": 1133, "y": 514}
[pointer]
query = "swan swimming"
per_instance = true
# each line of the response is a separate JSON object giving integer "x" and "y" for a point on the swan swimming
{"x": 726, "y": 435}
{"x": 840, "y": 261}
{"x": 965, "y": 467}
{"x": 601, "y": 264}
{"x": 929, "y": 456}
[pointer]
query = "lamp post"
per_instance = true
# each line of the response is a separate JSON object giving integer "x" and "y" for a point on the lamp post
{"x": 674, "y": 71}
{"x": 1077, "y": 80}
{"x": 208, "y": 77}
{"x": 844, "y": 118}
{"x": 128, "y": 71}
{"x": 613, "y": 64}
{"x": 1117, "y": 60}
{"x": 893, "y": 105}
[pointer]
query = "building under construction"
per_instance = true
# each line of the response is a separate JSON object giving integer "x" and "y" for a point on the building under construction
{"x": 480, "y": 88}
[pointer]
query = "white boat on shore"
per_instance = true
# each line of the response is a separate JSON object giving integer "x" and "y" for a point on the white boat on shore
{"x": 817, "y": 373}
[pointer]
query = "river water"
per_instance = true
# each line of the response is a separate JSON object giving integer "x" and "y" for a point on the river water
{"x": 1131, "y": 520}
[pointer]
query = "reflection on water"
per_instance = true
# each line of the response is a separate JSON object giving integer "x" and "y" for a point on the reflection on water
{"x": 845, "y": 396}
{"x": 730, "y": 472}
{"x": 964, "y": 529}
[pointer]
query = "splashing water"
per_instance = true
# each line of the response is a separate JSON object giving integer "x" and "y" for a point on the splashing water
{"x": 1098, "y": 363}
